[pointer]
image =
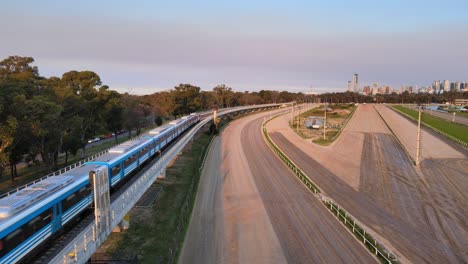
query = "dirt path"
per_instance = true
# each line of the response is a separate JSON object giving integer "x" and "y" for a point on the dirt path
{"x": 252, "y": 209}
{"x": 421, "y": 213}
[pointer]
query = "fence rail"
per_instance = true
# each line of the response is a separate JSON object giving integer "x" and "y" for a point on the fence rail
{"x": 350, "y": 222}
{"x": 460, "y": 142}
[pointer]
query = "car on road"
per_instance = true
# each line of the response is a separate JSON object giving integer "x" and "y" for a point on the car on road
{"x": 93, "y": 140}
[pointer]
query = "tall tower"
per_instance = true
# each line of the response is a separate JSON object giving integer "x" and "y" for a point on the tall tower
{"x": 446, "y": 85}
{"x": 355, "y": 83}
{"x": 350, "y": 88}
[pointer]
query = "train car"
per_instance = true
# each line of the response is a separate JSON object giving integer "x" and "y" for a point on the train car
{"x": 33, "y": 214}
{"x": 126, "y": 157}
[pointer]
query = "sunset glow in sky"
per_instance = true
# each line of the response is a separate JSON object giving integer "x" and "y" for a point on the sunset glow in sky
{"x": 146, "y": 46}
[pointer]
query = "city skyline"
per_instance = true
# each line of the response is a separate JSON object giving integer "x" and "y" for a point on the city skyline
{"x": 152, "y": 46}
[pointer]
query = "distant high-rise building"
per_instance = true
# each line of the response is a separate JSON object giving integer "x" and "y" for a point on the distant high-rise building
{"x": 355, "y": 83}
{"x": 349, "y": 86}
{"x": 375, "y": 88}
{"x": 446, "y": 85}
{"x": 367, "y": 90}
{"x": 387, "y": 90}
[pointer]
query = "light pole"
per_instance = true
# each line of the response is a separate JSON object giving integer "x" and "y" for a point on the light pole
{"x": 418, "y": 141}
{"x": 325, "y": 123}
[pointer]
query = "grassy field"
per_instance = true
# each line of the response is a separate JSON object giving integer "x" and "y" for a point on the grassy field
{"x": 463, "y": 114}
{"x": 453, "y": 129}
{"x": 335, "y": 119}
{"x": 153, "y": 231}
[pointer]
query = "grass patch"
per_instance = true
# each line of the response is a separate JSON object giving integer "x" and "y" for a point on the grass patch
{"x": 330, "y": 137}
{"x": 336, "y": 120}
{"x": 462, "y": 114}
{"x": 453, "y": 129}
{"x": 154, "y": 233}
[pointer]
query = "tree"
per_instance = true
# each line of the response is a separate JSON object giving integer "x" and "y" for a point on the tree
{"x": 7, "y": 132}
{"x": 71, "y": 137}
{"x": 135, "y": 114}
{"x": 158, "y": 120}
{"x": 224, "y": 95}
{"x": 46, "y": 127}
{"x": 83, "y": 96}
{"x": 187, "y": 99}
{"x": 18, "y": 67}
{"x": 207, "y": 100}
{"x": 114, "y": 116}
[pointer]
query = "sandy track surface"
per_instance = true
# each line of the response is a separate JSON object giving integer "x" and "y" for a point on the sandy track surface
{"x": 251, "y": 208}
{"x": 420, "y": 213}
{"x": 432, "y": 146}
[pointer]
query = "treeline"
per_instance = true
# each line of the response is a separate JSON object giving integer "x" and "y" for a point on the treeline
{"x": 42, "y": 117}
{"x": 393, "y": 98}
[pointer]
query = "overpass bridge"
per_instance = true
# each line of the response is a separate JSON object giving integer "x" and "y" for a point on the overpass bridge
{"x": 89, "y": 235}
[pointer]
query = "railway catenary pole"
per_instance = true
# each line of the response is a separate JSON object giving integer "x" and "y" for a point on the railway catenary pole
{"x": 418, "y": 141}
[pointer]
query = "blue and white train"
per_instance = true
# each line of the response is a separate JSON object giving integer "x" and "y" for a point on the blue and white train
{"x": 31, "y": 215}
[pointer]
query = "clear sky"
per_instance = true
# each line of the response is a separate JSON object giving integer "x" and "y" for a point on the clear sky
{"x": 146, "y": 46}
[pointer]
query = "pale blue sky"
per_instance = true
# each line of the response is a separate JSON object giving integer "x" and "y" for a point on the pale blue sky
{"x": 146, "y": 46}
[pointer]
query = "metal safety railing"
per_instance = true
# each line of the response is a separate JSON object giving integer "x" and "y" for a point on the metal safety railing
{"x": 377, "y": 248}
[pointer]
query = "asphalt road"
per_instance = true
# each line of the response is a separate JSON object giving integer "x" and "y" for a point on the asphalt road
{"x": 251, "y": 209}
{"x": 420, "y": 213}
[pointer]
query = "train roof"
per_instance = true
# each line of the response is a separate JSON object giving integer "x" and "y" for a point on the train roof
{"x": 118, "y": 151}
{"x": 178, "y": 121}
{"x": 160, "y": 130}
{"x": 24, "y": 198}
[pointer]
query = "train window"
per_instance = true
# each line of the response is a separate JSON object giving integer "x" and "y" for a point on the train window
{"x": 40, "y": 221}
{"x": 76, "y": 197}
{"x": 16, "y": 237}
{"x": 11, "y": 241}
{"x": 68, "y": 202}
{"x": 143, "y": 151}
{"x": 115, "y": 170}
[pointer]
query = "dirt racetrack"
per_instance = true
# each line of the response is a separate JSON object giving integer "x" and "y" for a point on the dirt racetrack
{"x": 420, "y": 212}
{"x": 251, "y": 209}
